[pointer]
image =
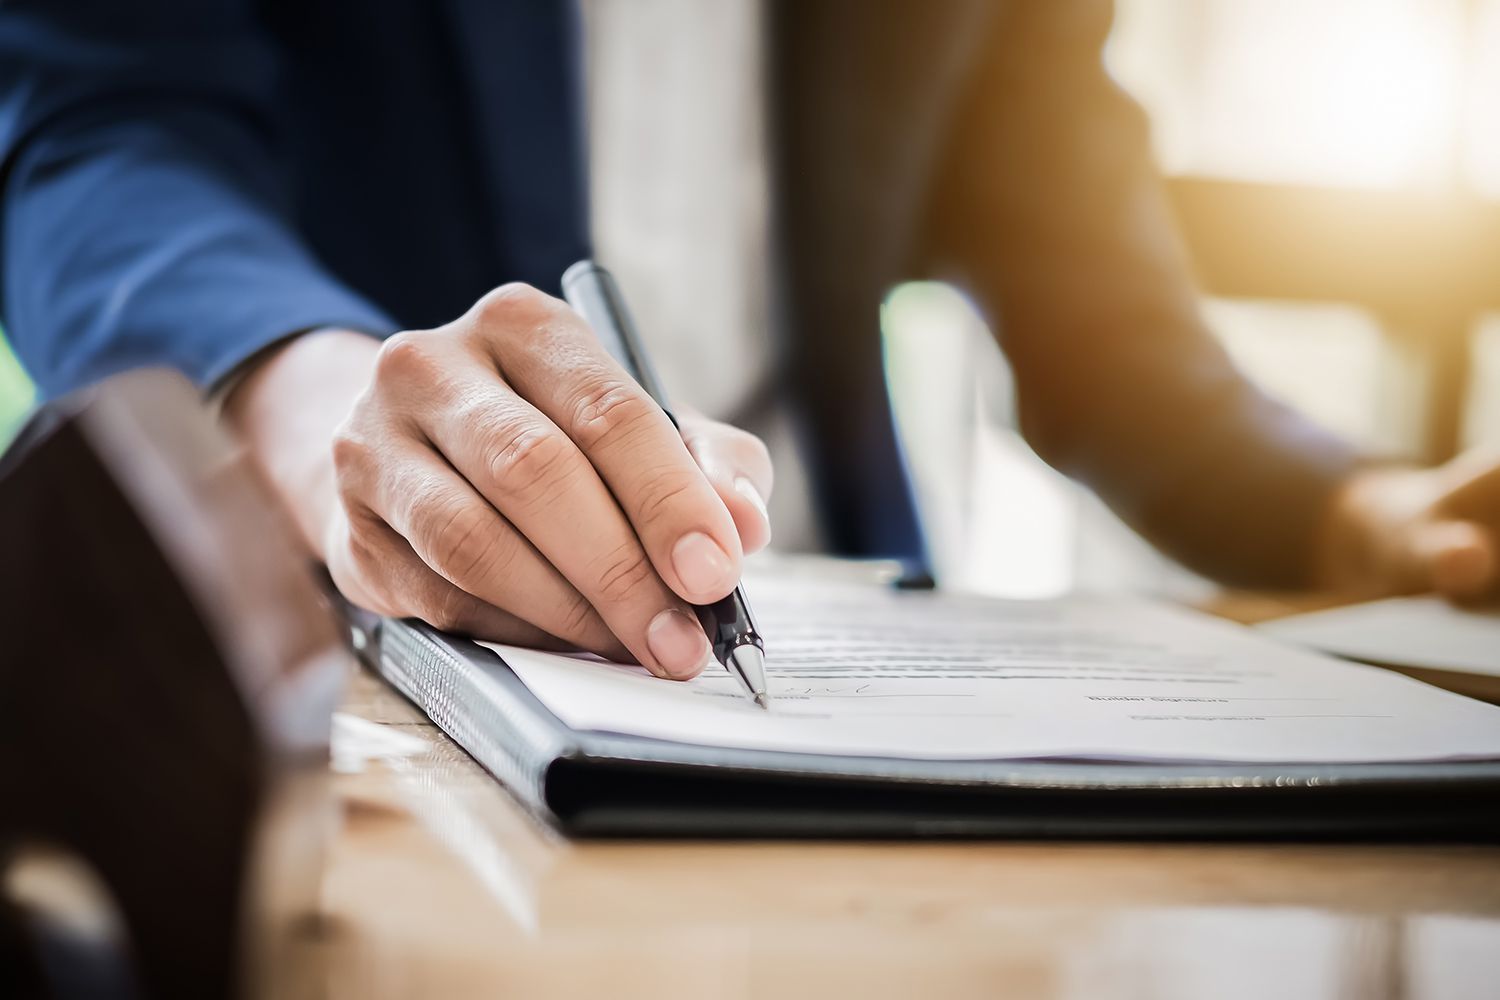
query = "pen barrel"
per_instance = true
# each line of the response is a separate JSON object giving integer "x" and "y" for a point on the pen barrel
{"x": 593, "y": 293}
{"x": 728, "y": 624}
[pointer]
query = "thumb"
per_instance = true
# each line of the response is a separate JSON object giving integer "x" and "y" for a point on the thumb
{"x": 1458, "y": 559}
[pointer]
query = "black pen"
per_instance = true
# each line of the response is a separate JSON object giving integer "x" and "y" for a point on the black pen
{"x": 593, "y": 292}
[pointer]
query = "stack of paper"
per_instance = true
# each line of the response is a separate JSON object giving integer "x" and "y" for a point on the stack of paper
{"x": 871, "y": 671}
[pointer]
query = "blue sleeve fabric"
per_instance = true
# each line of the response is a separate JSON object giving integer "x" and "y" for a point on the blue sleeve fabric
{"x": 144, "y": 220}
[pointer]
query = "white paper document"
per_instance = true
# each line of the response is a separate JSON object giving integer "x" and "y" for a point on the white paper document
{"x": 876, "y": 672}
{"x": 1402, "y": 631}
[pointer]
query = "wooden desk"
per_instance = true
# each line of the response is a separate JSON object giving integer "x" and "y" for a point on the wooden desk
{"x": 440, "y": 886}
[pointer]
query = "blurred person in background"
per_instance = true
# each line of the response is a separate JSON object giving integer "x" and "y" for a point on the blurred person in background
{"x": 304, "y": 207}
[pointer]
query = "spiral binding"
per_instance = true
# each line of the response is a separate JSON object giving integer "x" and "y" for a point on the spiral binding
{"x": 478, "y": 713}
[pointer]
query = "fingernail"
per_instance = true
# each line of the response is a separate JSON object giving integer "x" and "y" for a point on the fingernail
{"x": 746, "y": 489}
{"x": 677, "y": 642}
{"x": 703, "y": 567}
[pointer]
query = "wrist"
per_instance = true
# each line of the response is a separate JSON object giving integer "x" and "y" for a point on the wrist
{"x": 285, "y": 404}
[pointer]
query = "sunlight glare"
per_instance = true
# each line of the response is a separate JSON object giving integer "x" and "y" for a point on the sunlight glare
{"x": 1350, "y": 93}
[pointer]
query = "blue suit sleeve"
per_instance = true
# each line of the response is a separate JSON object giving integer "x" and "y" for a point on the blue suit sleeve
{"x": 144, "y": 220}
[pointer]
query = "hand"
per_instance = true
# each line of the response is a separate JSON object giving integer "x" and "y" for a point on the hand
{"x": 1396, "y": 530}
{"x": 502, "y": 477}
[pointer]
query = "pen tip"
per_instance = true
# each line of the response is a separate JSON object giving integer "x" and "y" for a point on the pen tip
{"x": 763, "y": 702}
{"x": 748, "y": 663}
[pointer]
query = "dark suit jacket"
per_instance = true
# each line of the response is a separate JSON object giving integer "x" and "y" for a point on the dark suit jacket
{"x": 982, "y": 142}
{"x": 187, "y": 181}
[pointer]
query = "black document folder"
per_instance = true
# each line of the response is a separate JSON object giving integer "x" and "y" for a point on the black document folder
{"x": 603, "y": 784}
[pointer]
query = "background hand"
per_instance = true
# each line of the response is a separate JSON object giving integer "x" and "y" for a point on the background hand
{"x": 1409, "y": 530}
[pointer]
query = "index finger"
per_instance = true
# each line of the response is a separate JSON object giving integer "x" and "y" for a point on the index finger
{"x": 553, "y": 360}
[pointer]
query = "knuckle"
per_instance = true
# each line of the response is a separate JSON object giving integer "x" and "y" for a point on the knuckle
{"x": 367, "y": 546}
{"x": 479, "y": 413}
{"x": 622, "y": 574}
{"x": 515, "y": 304}
{"x": 575, "y": 618}
{"x": 352, "y": 452}
{"x": 453, "y": 536}
{"x": 528, "y": 461}
{"x": 406, "y": 356}
{"x": 487, "y": 555}
{"x": 608, "y": 408}
{"x": 419, "y": 499}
